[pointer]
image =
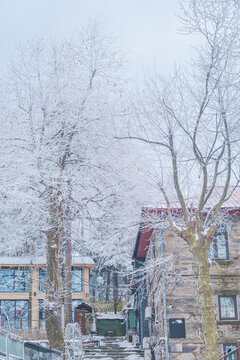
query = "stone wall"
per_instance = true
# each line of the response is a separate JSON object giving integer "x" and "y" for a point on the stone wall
{"x": 182, "y": 293}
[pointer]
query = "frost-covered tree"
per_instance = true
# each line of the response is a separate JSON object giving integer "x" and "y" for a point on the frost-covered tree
{"x": 58, "y": 104}
{"x": 109, "y": 238}
{"x": 192, "y": 121}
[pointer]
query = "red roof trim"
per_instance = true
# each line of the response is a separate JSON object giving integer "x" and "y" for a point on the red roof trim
{"x": 144, "y": 236}
{"x": 231, "y": 207}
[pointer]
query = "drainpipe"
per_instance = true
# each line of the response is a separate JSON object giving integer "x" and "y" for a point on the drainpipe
{"x": 164, "y": 295}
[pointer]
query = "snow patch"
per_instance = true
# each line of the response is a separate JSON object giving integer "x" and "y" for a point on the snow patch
{"x": 110, "y": 316}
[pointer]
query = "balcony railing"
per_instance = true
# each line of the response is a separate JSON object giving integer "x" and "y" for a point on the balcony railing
{"x": 21, "y": 328}
{"x": 22, "y": 324}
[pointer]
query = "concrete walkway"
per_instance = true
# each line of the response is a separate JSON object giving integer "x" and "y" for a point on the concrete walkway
{"x": 114, "y": 348}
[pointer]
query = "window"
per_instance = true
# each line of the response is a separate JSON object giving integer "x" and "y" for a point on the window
{"x": 42, "y": 279}
{"x": 177, "y": 328}
{"x": 14, "y": 279}
{"x": 218, "y": 249}
{"x": 75, "y": 303}
{"x": 14, "y": 313}
{"x": 227, "y": 348}
{"x": 76, "y": 279}
{"x": 91, "y": 284}
{"x": 227, "y": 307}
{"x": 41, "y": 315}
{"x": 21, "y": 279}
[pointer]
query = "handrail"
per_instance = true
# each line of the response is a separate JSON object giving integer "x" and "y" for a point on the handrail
{"x": 228, "y": 354}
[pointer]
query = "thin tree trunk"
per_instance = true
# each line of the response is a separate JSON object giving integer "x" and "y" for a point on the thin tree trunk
{"x": 108, "y": 285}
{"x": 68, "y": 260}
{"x": 68, "y": 278}
{"x": 115, "y": 291}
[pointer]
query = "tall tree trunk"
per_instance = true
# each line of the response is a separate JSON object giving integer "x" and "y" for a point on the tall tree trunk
{"x": 68, "y": 277}
{"x": 108, "y": 285}
{"x": 115, "y": 291}
{"x": 209, "y": 325}
{"x": 68, "y": 259}
{"x": 53, "y": 306}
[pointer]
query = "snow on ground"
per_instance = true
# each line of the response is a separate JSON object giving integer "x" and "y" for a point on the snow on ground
{"x": 110, "y": 315}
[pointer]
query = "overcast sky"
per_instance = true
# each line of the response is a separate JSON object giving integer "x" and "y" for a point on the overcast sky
{"x": 149, "y": 28}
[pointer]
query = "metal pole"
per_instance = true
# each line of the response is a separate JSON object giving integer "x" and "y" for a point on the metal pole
{"x": 164, "y": 295}
{"x": 23, "y": 349}
{"x": 7, "y": 353}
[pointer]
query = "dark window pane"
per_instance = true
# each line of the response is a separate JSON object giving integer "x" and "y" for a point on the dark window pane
{"x": 221, "y": 246}
{"x": 41, "y": 315}
{"x": 77, "y": 279}
{"x": 7, "y": 312}
{"x": 14, "y": 279}
{"x": 42, "y": 279}
{"x": 6, "y": 279}
{"x": 22, "y": 305}
{"x": 227, "y": 307}
{"x": 177, "y": 328}
{"x": 227, "y": 349}
{"x": 75, "y": 303}
{"x": 10, "y": 316}
{"x": 211, "y": 251}
{"x": 218, "y": 249}
{"x": 21, "y": 280}
{"x": 221, "y": 228}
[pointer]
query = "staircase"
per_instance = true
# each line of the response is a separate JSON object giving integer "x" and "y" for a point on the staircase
{"x": 114, "y": 348}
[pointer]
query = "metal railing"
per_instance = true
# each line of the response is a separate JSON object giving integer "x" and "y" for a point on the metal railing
{"x": 11, "y": 345}
{"x": 235, "y": 352}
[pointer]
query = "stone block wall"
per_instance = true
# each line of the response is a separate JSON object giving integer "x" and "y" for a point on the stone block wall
{"x": 182, "y": 293}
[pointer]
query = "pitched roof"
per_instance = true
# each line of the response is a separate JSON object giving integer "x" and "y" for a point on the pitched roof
{"x": 232, "y": 202}
{"x": 41, "y": 260}
{"x": 230, "y": 206}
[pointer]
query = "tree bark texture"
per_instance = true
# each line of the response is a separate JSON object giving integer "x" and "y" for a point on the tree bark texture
{"x": 115, "y": 291}
{"x": 209, "y": 326}
{"x": 108, "y": 285}
{"x": 54, "y": 291}
{"x": 68, "y": 277}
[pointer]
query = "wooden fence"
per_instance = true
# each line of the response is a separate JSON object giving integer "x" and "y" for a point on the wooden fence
{"x": 107, "y": 306}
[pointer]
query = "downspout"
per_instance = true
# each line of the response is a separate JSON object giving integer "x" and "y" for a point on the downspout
{"x": 164, "y": 295}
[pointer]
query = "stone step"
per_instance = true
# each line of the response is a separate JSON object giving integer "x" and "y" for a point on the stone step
{"x": 113, "y": 356}
{"x": 114, "y": 352}
{"x": 113, "y": 349}
{"x": 116, "y": 356}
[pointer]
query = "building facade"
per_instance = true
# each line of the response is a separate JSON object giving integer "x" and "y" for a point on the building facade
{"x": 22, "y": 282}
{"x": 172, "y": 310}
